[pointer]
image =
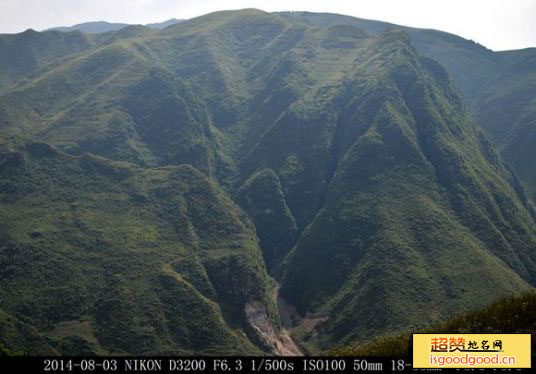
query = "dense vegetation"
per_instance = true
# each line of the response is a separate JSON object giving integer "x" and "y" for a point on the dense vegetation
{"x": 510, "y": 315}
{"x": 153, "y": 182}
{"x": 104, "y": 257}
{"x": 499, "y": 87}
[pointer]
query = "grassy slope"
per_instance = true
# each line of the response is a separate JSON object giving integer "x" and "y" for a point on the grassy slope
{"x": 506, "y": 107}
{"x": 137, "y": 110}
{"x": 469, "y": 64}
{"x": 21, "y": 54}
{"x": 395, "y": 233}
{"x": 498, "y": 86}
{"x": 106, "y": 257}
{"x": 511, "y": 315}
{"x": 21, "y": 338}
{"x": 293, "y": 127}
{"x": 262, "y": 198}
{"x": 473, "y": 68}
{"x": 371, "y": 155}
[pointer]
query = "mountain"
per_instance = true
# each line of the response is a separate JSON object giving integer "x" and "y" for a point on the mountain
{"x": 510, "y": 315}
{"x": 22, "y": 54}
{"x": 103, "y": 26}
{"x": 469, "y": 64}
{"x": 91, "y": 27}
{"x": 506, "y": 107}
{"x": 499, "y": 87}
{"x": 162, "y": 175}
{"x": 163, "y": 25}
{"x": 119, "y": 259}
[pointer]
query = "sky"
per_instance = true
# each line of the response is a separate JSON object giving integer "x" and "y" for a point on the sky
{"x": 496, "y": 24}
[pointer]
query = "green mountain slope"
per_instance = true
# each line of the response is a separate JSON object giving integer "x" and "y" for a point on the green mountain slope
{"x": 499, "y": 86}
{"x": 394, "y": 143}
{"x": 106, "y": 257}
{"x": 511, "y": 315}
{"x": 506, "y": 106}
{"x": 137, "y": 111}
{"x": 21, "y": 338}
{"x": 377, "y": 202}
{"x": 262, "y": 198}
{"x": 21, "y": 54}
{"x": 469, "y": 64}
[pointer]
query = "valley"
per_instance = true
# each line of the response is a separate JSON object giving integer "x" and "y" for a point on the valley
{"x": 247, "y": 183}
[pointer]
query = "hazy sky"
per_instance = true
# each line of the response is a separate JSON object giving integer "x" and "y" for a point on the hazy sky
{"x": 497, "y": 24}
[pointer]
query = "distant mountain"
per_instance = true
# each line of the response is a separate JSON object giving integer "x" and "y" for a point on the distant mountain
{"x": 150, "y": 178}
{"x": 163, "y": 25}
{"x": 103, "y": 26}
{"x": 91, "y": 27}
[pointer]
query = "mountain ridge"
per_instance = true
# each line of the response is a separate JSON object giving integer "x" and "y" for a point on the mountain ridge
{"x": 340, "y": 161}
{"x": 97, "y": 27}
